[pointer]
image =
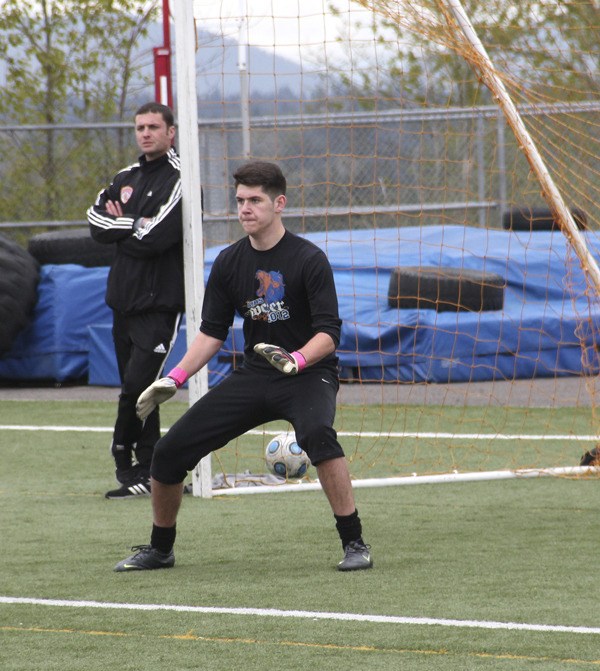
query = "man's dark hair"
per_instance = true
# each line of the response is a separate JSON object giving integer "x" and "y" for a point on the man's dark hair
{"x": 262, "y": 173}
{"x": 157, "y": 108}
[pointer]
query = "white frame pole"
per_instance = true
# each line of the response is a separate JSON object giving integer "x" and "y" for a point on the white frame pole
{"x": 483, "y": 64}
{"x": 244, "y": 84}
{"x": 191, "y": 183}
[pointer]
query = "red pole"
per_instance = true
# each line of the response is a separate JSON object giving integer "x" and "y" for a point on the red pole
{"x": 166, "y": 25}
{"x": 163, "y": 89}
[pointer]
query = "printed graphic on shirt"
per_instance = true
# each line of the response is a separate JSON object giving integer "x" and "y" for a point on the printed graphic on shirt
{"x": 269, "y": 306}
{"x": 126, "y": 192}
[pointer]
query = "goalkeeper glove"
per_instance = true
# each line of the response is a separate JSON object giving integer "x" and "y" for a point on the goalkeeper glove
{"x": 160, "y": 391}
{"x": 290, "y": 364}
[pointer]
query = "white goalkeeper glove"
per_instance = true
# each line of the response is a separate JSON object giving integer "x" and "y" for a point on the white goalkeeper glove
{"x": 158, "y": 392}
{"x": 290, "y": 364}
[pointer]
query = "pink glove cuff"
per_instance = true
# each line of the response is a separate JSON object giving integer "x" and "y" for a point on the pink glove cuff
{"x": 300, "y": 360}
{"x": 179, "y": 375}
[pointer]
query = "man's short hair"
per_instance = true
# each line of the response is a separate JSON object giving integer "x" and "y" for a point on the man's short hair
{"x": 157, "y": 108}
{"x": 264, "y": 174}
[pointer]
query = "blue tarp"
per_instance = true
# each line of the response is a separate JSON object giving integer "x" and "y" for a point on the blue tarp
{"x": 534, "y": 335}
{"x": 55, "y": 344}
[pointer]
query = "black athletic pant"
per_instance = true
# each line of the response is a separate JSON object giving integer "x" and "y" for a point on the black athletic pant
{"x": 142, "y": 344}
{"x": 244, "y": 400}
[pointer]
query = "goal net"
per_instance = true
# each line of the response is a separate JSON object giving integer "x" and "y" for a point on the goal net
{"x": 461, "y": 225}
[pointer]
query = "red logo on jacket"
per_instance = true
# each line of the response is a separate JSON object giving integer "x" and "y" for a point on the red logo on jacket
{"x": 126, "y": 193}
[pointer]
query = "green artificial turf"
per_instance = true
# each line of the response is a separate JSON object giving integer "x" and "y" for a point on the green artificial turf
{"x": 522, "y": 551}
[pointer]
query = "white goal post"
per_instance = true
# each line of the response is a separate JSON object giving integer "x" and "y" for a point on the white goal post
{"x": 191, "y": 186}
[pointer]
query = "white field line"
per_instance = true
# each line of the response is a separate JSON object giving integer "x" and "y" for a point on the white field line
{"x": 305, "y": 614}
{"x": 346, "y": 434}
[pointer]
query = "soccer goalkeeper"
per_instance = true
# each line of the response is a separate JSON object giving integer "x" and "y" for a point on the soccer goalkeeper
{"x": 282, "y": 285}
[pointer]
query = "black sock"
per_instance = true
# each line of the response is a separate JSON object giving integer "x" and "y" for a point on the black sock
{"x": 349, "y": 528}
{"x": 163, "y": 538}
{"x": 143, "y": 455}
{"x": 122, "y": 456}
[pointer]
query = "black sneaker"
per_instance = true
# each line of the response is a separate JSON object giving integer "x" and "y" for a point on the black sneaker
{"x": 356, "y": 557}
{"x": 146, "y": 558}
{"x": 591, "y": 458}
{"x": 140, "y": 487}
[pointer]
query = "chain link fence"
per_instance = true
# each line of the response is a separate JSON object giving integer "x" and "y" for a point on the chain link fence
{"x": 345, "y": 170}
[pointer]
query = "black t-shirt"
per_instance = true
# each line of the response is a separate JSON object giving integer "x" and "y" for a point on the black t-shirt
{"x": 285, "y": 295}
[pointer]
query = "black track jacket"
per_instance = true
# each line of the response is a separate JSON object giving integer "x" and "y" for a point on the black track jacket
{"x": 147, "y": 272}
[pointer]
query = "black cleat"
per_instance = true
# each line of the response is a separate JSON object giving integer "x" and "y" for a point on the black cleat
{"x": 356, "y": 557}
{"x": 146, "y": 558}
{"x": 591, "y": 458}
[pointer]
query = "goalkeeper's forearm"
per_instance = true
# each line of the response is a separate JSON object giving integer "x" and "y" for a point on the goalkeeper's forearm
{"x": 318, "y": 347}
{"x": 199, "y": 353}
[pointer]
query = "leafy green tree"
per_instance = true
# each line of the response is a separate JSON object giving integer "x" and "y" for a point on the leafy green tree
{"x": 548, "y": 46}
{"x": 65, "y": 60}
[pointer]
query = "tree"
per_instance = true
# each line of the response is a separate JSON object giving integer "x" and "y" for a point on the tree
{"x": 66, "y": 60}
{"x": 548, "y": 46}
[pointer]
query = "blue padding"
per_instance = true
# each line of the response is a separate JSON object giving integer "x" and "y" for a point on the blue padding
{"x": 55, "y": 344}
{"x": 534, "y": 335}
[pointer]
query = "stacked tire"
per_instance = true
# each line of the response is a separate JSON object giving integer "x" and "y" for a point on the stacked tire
{"x": 445, "y": 289}
{"x": 19, "y": 276}
{"x": 527, "y": 218}
{"x": 70, "y": 246}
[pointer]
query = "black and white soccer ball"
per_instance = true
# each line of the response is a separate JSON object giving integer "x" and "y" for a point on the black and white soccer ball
{"x": 284, "y": 457}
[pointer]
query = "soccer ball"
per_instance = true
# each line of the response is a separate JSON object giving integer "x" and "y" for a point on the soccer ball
{"x": 284, "y": 457}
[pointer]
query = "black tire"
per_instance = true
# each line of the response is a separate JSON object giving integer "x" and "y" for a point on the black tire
{"x": 19, "y": 276}
{"x": 70, "y": 246}
{"x": 538, "y": 219}
{"x": 445, "y": 289}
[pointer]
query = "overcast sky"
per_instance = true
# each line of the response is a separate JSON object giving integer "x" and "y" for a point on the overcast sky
{"x": 293, "y": 28}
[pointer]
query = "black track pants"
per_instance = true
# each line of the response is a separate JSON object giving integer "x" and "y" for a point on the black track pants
{"x": 142, "y": 344}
